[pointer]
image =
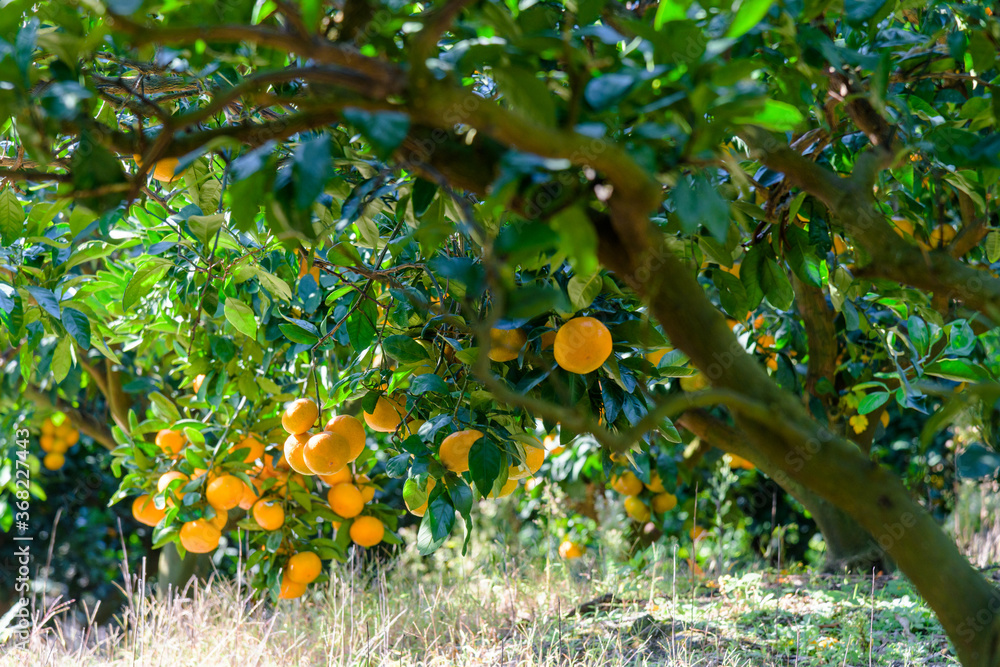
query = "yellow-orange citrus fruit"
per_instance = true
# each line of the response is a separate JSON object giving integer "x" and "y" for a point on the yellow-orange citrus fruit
{"x": 294, "y": 450}
{"x": 506, "y": 344}
{"x": 305, "y": 266}
{"x": 570, "y": 550}
{"x": 582, "y": 345}
{"x": 655, "y": 483}
{"x": 144, "y": 511}
{"x": 48, "y": 428}
{"x": 300, "y": 415}
{"x": 698, "y": 533}
{"x": 942, "y": 236}
{"x": 200, "y": 536}
{"x": 325, "y": 453}
{"x": 411, "y": 427}
{"x": 533, "y": 459}
{"x": 220, "y": 519}
{"x": 548, "y": 339}
{"x": 695, "y": 382}
{"x": 342, "y": 476}
{"x": 636, "y": 509}
{"x": 505, "y": 490}
{"x": 655, "y": 356}
{"x": 303, "y": 567}
{"x": 165, "y": 480}
{"x": 251, "y": 492}
{"x": 364, "y": 484}
{"x": 251, "y": 443}
{"x": 46, "y": 442}
{"x": 367, "y": 531}
{"x": 387, "y": 416}
{"x": 351, "y": 429}
{"x": 63, "y": 429}
{"x": 552, "y": 445}
{"x": 72, "y": 438}
{"x": 268, "y": 514}
{"x": 59, "y": 446}
{"x": 664, "y": 502}
{"x": 627, "y": 484}
{"x": 54, "y": 461}
{"x": 454, "y": 452}
{"x": 884, "y": 418}
{"x": 197, "y": 382}
{"x": 170, "y": 441}
{"x": 290, "y": 589}
{"x": 345, "y": 500}
{"x": 839, "y": 245}
{"x": 225, "y": 491}
{"x": 422, "y": 509}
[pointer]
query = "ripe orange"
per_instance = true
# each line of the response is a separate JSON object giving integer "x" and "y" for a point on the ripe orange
{"x": 552, "y": 445}
{"x": 48, "y": 428}
{"x": 170, "y": 441}
{"x": 352, "y": 430}
{"x": 367, "y": 531}
{"x": 46, "y": 442}
{"x": 197, "y": 382}
{"x": 548, "y": 339}
{"x": 698, "y": 533}
{"x": 942, "y": 236}
{"x": 582, "y": 345}
{"x": 165, "y": 480}
{"x": 410, "y": 428}
{"x": 54, "y": 461}
{"x": 224, "y": 492}
{"x": 300, "y": 415}
{"x": 290, "y": 589}
{"x": 506, "y": 344}
{"x": 664, "y": 502}
{"x": 422, "y": 509}
{"x": 570, "y": 550}
{"x": 269, "y": 514}
{"x": 63, "y": 429}
{"x": 695, "y": 382}
{"x": 655, "y": 483}
{"x": 655, "y": 356}
{"x": 636, "y": 509}
{"x": 304, "y": 268}
{"x": 325, "y": 453}
{"x": 220, "y": 519}
{"x": 533, "y": 459}
{"x": 345, "y": 500}
{"x": 342, "y": 476}
{"x": 364, "y": 484}
{"x": 255, "y": 446}
{"x": 295, "y": 446}
{"x": 505, "y": 490}
{"x": 200, "y": 536}
{"x": 303, "y": 567}
{"x": 627, "y": 484}
{"x": 454, "y": 452}
{"x": 144, "y": 511}
{"x": 388, "y": 414}
{"x": 250, "y": 494}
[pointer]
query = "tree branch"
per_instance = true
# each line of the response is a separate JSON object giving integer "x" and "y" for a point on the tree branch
{"x": 86, "y": 422}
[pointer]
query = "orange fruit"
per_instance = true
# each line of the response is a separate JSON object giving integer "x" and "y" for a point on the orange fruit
{"x": 942, "y": 236}
{"x": 342, "y": 476}
{"x": 506, "y": 344}
{"x": 698, "y": 533}
{"x": 46, "y": 442}
{"x": 636, "y": 509}
{"x": 388, "y": 414}
{"x": 72, "y": 437}
{"x": 144, "y": 511}
{"x": 220, "y": 519}
{"x": 224, "y": 492}
{"x": 364, "y": 484}
{"x": 627, "y": 484}
{"x": 367, "y": 531}
{"x": 200, "y": 536}
{"x": 411, "y": 427}
{"x": 170, "y": 441}
{"x": 197, "y": 382}
{"x": 505, "y": 490}
{"x": 582, "y": 345}
{"x": 303, "y": 567}
{"x": 533, "y": 459}
{"x": 421, "y": 510}
{"x": 255, "y": 446}
{"x": 548, "y": 339}
{"x": 290, "y": 589}
{"x": 454, "y": 452}
{"x": 345, "y": 500}
{"x": 695, "y": 382}
{"x": 295, "y": 446}
{"x": 48, "y": 428}
{"x": 655, "y": 356}
{"x": 63, "y": 429}
{"x": 664, "y": 502}
{"x": 299, "y": 416}
{"x": 570, "y": 550}
{"x": 552, "y": 446}
{"x": 655, "y": 483}
{"x": 269, "y": 514}
{"x": 251, "y": 492}
{"x": 305, "y": 266}
{"x": 325, "y": 453}
{"x": 165, "y": 480}
{"x": 352, "y": 430}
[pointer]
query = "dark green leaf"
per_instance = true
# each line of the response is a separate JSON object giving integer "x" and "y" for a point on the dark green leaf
{"x": 485, "y": 464}
{"x": 78, "y": 326}
{"x": 404, "y": 349}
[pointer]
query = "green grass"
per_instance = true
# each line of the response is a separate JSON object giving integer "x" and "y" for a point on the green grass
{"x": 498, "y": 609}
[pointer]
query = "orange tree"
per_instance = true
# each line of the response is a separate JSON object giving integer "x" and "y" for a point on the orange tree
{"x": 400, "y": 204}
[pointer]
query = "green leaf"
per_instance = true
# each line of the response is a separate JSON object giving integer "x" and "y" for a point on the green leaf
{"x": 957, "y": 370}
{"x": 142, "y": 281}
{"x": 697, "y": 204}
{"x": 732, "y": 293}
{"x": 774, "y": 115}
{"x": 583, "y": 290}
{"x": 385, "y": 129}
{"x": 164, "y": 408}
{"x": 77, "y": 325}
{"x": 241, "y": 316}
{"x": 776, "y": 285}
{"x": 993, "y": 246}
{"x": 62, "y": 359}
{"x": 578, "y": 239}
{"x": 12, "y": 217}
{"x": 608, "y": 90}
{"x": 404, "y": 349}
{"x": 749, "y": 14}
{"x": 485, "y": 464}
{"x": 205, "y": 227}
{"x": 298, "y": 334}
{"x": 11, "y": 311}
{"x": 859, "y": 11}
{"x": 802, "y": 257}
{"x": 428, "y": 382}
{"x": 670, "y": 10}
{"x": 872, "y": 402}
{"x": 526, "y": 94}
{"x": 275, "y": 285}
{"x": 361, "y": 325}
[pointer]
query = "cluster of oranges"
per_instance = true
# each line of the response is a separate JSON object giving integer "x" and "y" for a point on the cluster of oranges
{"x": 581, "y": 345}
{"x": 57, "y": 437}
{"x": 629, "y": 485}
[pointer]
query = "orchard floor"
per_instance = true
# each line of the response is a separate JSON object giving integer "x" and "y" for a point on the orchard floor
{"x": 490, "y": 610}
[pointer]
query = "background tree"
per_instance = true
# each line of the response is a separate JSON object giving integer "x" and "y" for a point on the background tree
{"x": 472, "y": 176}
